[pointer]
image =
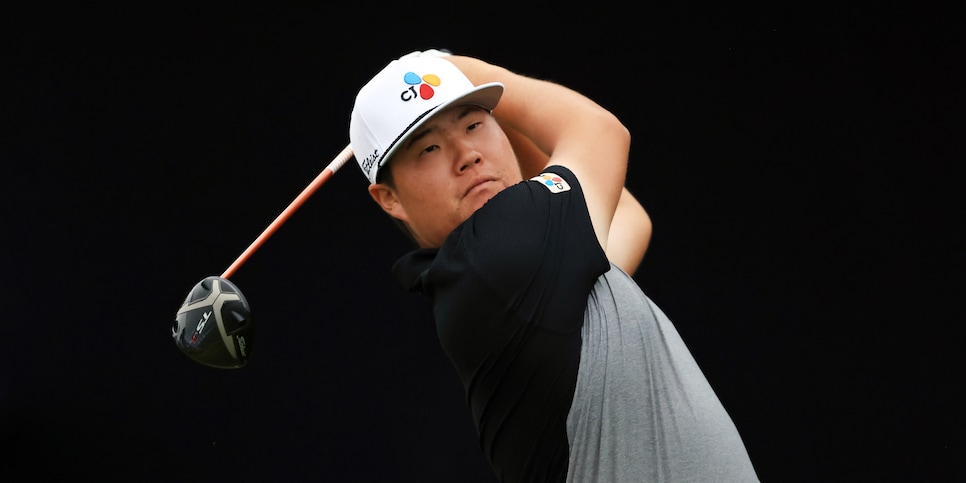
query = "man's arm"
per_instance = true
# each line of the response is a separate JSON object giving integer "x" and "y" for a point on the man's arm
{"x": 630, "y": 234}
{"x": 573, "y": 130}
{"x": 630, "y": 229}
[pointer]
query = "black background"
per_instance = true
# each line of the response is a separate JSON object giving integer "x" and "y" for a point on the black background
{"x": 799, "y": 165}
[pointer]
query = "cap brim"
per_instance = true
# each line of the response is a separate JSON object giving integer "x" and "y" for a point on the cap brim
{"x": 486, "y": 96}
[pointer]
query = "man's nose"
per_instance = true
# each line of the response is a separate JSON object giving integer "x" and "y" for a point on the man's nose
{"x": 470, "y": 162}
{"x": 467, "y": 157}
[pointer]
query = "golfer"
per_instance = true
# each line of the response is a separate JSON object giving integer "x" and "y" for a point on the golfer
{"x": 512, "y": 188}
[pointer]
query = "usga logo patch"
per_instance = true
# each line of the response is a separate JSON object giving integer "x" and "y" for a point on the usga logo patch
{"x": 554, "y": 183}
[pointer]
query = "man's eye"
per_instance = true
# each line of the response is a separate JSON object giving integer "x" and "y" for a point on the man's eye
{"x": 473, "y": 126}
{"x": 430, "y": 148}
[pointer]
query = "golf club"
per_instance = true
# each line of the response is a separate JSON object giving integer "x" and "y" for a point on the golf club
{"x": 214, "y": 325}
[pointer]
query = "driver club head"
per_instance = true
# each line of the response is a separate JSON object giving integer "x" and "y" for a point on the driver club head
{"x": 214, "y": 325}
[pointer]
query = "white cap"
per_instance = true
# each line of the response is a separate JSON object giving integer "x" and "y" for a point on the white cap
{"x": 403, "y": 96}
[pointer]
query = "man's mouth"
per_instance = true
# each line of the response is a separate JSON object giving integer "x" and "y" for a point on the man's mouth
{"x": 478, "y": 186}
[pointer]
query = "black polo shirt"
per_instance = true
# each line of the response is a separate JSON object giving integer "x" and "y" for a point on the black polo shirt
{"x": 509, "y": 288}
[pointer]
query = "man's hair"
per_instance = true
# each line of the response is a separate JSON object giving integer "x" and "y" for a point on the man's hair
{"x": 384, "y": 176}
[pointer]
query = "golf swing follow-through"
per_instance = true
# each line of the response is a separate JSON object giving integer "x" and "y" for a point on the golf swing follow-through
{"x": 214, "y": 325}
{"x": 512, "y": 189}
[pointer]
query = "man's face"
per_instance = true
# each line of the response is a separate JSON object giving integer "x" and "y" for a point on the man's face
{"x": 446, "y": 170}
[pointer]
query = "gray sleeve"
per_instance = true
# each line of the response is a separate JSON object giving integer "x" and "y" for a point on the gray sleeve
{"x": 643, "y": 410}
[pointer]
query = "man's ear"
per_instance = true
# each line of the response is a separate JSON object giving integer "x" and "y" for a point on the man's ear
{"x": 386, "y": 198}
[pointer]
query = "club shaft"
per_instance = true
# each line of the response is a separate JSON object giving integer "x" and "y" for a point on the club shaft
{"x": 319, "y": 180}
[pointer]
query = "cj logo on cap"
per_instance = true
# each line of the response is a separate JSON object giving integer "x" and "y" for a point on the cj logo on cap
{"x": 424, "y": 84}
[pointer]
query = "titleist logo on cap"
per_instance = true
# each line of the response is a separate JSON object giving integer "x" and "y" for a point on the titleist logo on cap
{"x": 367, "y": 162}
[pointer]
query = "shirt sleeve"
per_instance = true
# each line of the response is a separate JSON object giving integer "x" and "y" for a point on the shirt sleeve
{"x": 534, "y": 245}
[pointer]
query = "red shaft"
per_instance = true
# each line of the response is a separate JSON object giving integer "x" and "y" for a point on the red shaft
{"x": 287, "y": 213}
